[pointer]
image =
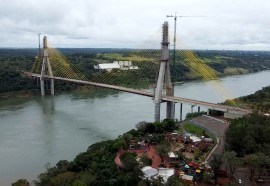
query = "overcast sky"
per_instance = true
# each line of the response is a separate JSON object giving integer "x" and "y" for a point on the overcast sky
{"x": 229, "y": 24}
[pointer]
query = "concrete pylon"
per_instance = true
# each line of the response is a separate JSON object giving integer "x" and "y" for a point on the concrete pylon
{"x": 164, "y": 77}
{"x": 46, "y": 68}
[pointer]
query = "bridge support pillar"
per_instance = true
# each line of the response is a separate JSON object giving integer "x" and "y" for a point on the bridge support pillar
{"x": 46, "y": 69}
{"x": 164, "y": 75}
{"x": 52, "y": 87}
{"x": 42, "y": 86}
{"x": 157, "y": 111}
{"x": 170, "y": 110}
{"x": 192, "y": 108}
{"x": 181, "y": 111}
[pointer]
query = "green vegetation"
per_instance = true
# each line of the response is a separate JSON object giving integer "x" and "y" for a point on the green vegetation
{"x": 194, "y": 114}
{"x": 194, "y": 129}
{"x": 13, "y": 61}
{"x": 250, "y": 134}
{"x": 96, "y": 166}
{"x": 249, "y": 137}
{"x": 21, "y": 182}
{"x": 235, "y": 71}
{"x": 259, "y": 101}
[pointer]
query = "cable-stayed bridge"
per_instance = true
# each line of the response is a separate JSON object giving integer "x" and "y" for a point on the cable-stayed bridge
{"x": 54, "y": 66}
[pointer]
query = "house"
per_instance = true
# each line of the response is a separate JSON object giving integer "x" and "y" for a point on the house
{"x": 203, "y": 144}
{"x": 173, "y": 137}
{"x": 165, "y": 173}
{"x": 133, "y": 144}
{"x": 187, "y": 178}
{"x": 149, "y": 172}
{"x": 173, "y": 157}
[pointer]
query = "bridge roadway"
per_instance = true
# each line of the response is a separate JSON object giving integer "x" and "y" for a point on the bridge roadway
{"x": 223, "y": 108}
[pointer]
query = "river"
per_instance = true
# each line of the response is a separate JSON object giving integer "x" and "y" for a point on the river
{"x": 37, "y": 131}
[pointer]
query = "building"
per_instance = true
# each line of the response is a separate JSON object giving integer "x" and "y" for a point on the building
{"x": 107, "y": 66}
{"x": 149, "y": 172}
{"x": 122, "y": 65}
{"x": 165, "y": 173}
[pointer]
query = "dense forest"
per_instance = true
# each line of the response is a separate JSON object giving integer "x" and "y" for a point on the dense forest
{"x": 259, "y": 101}
{"x": 14, "y": 61}
{"x": 254, "y": 128}
{"x": 250, "y": 134}
{"x": 248, "y": 138}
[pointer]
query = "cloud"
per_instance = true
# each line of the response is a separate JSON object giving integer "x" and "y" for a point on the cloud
{"x": 229, "y": 24}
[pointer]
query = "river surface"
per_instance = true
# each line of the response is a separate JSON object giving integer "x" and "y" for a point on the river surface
{"x": 37, "y": 131}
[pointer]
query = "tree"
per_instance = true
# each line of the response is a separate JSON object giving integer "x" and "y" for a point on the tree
{"x": 21, "y": 182}
{"x": 253, "y": 162}
{"x": 129, "y": 161}
{"x": 163, "y": 148}
{"x": 120, "y": 143}
{"x": 141, "y": 126}
{"x": 207, "y": 177}
{"x": 78, "y": 183}
{"x": 215, "y": 164}
{"x": 264, "y": 162}
{"x": 146, "y": 160}
{"x": 175, "y": 181}
{"x": 62, "y": 165}
{"x": 249, "y": 135}
{"x": 230, "y": 161}
{"x": 197, "y": 154}
{"x": 64, "y": 178}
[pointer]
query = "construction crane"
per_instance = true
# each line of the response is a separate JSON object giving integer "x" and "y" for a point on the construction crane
{"x": 174, "y": 37}
{"x": 39, "y": 50}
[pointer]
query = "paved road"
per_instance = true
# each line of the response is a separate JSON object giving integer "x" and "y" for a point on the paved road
{"x": 216, "y": 126}
{"x": 242, "y": 173}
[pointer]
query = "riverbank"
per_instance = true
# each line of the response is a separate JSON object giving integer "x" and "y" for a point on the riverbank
{"x": 16, "y": 94}
{"x": 47, "y": 129}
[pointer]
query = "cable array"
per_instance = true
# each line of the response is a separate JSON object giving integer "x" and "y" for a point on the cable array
{"x": 36, "y": 68}
{"x": 61, "y": 66}
{"x": 146, "y": 58}
{"x": 199, "y": 67}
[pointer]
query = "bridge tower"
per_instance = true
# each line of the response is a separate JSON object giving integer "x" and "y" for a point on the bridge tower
{"x": 46, "y": 68}
{"x": 164, "y": 77}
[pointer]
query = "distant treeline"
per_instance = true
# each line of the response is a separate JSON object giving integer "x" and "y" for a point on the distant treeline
{"x": 13, "y": 61}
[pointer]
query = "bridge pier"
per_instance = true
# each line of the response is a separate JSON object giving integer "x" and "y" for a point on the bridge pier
{"x": 157, "y": 111}
{"x": 164, "y": 75}
{"x": 42, "y": 86}
{"x": 192, "y": 108}
{"x": 181, "y": 111}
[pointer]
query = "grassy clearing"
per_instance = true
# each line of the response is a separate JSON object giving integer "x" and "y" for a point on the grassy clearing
{"x": 235, "y": 71}
{"x": 133, "y": 58}
{"x": 194, "y": 129}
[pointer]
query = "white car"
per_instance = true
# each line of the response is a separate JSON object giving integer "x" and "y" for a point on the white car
{"x": 240, "y": 181}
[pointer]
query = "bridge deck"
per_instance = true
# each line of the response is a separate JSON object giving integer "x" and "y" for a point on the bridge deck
{"x": 165, "y": 98}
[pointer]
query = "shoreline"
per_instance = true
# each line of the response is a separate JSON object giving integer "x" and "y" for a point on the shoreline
{"x": 31, "y": 92}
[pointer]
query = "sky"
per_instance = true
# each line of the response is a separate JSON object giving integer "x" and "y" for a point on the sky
{"x": 226, "y": 25}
